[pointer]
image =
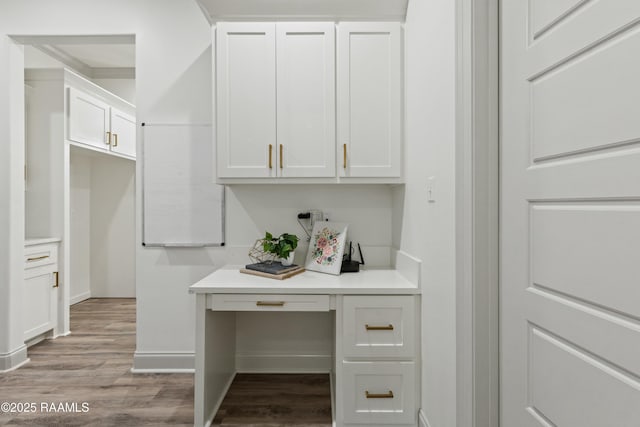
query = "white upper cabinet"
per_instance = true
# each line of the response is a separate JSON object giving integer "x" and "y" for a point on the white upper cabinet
{"x": 275, "y": 98}
{"x": 95, "y": 122}
{"x": 88, "y": 119}
{"x": 369, "y": 95}
{"x": 306, "y": 99}
{"x": 246, "y": 99}
{"x": 279, "y": 86}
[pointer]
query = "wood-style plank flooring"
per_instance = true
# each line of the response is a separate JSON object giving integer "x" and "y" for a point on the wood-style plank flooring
{"x": 277, "y": 400}
{"x": 93, "y": 365}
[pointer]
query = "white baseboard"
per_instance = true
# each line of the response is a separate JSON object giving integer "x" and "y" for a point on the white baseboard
{"x": 422, "y": 419}
{"x": 13, "y": 360}
{"x": 165, "y": 363}
{"x": 80, "y": 297}
{"x": 270, "y": 363}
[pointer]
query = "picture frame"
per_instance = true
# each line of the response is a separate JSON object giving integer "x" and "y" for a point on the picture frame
{"x": 326, "y": 247}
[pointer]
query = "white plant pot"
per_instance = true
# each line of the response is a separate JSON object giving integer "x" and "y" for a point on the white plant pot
{"x": 289, "y": 260}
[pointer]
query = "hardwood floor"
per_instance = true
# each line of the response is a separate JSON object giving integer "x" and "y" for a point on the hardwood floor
{"x": 277, "y": 400}
{"x": 92, "y": 366}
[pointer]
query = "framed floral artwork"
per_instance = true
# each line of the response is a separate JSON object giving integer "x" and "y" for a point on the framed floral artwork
{"x": 326, "y": 247}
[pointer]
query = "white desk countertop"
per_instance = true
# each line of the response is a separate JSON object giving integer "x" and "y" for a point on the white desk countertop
{"x": 229, "y": 280}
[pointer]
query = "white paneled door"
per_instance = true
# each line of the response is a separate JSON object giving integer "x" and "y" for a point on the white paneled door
{"x": 570, "y": 213}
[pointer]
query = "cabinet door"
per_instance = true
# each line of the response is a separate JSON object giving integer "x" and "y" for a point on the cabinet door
{"x": 123, "y": 130}
{"x": 369, "y": 99}
{"x": 246, "y": 99}
{"x": 38, "y": 313}
{"x": 88, "y": 119}
{"x": 306, "y": 99}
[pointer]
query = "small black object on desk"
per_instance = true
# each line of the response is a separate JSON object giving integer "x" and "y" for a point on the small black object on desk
{"x": 349, "y": 265}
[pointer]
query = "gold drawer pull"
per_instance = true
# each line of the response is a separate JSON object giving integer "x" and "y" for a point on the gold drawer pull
{"x": 344, "y": 156}
{"x": 379, "y": 328}
{"x": 270, "y": 303}
{"x": 57, "y": 282}
{"x": 378, "y": 395}
{"x": 108, "y": 141}
{"x": 281, "y": 162}
{"x": 270, "y": 155}
{"x": 115, "y": 139}
{"x": 38, "y": 258}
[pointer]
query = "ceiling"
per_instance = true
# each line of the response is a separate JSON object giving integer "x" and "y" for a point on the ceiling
{"x": 220, "y": 10}
{"x": 93, "y": 56}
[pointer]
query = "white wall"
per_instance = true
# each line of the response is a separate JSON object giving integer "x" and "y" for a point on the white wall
{"x": 12, "y": 349}
{"x": 113, "y": 229}
{"x": 428, "y": 229}
{"x": 173, "y": 85}
{"x": 252, "y": 209}
{"x": 102, "y": 226}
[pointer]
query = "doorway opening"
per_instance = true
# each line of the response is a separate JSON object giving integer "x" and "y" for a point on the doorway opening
{"x": 80, "y": 164}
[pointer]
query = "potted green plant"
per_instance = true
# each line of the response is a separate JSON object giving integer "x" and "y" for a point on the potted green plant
{"x": 282, "y": 246}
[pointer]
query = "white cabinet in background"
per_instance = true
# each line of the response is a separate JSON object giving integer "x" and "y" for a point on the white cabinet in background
{"x": 369, "y": 94}
{"x": 40, "y": 290}
{"x": 88, "y": 119}
{"x": 275, "y": 100}
{"x": 123, "y": 133}
{"x": 95, "y": 122}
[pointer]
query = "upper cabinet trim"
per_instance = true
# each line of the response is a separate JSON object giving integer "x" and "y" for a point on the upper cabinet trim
{"x": 283, "y": 10}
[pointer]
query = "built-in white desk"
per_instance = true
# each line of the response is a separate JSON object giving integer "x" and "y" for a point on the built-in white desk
{"x": 376, "y": 366}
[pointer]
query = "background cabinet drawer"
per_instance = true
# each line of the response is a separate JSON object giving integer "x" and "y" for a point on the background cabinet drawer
{"x": 379, "y": 393}
{"x": 252, "y": 302}
{"x": 379, "y": 326}
{"x": 40, "y": 256}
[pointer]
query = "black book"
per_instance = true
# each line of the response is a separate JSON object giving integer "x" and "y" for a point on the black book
{"x": 274, "y": 267}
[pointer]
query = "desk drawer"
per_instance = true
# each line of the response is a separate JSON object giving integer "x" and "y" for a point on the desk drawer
{"x": 267, "y": 302}
{"x": 40, "y": 256}
{"x": 379, "y": 393}
{"x": 379, "y": 326}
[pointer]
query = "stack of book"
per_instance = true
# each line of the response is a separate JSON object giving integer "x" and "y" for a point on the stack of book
{"x": 273, "y": 270}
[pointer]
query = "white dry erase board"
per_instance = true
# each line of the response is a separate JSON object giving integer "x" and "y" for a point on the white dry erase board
{"x": 181, "y": 205}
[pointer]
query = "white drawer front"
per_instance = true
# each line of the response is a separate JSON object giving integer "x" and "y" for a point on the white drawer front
{"x": 379, "y": 393}
{"x": 379, "y": 326}
{"x": 40, "y": 255}
{"x": 252, "y": 302}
